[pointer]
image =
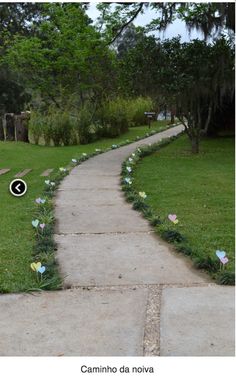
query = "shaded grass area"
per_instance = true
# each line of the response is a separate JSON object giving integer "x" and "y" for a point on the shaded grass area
{"x": 16, "y": 232}
{"x": 199, "y": 189}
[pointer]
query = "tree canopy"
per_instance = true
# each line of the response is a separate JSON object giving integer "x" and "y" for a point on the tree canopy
{"x": 53, "y": 54}
{"x": 65, "y": 56}
{"x": 210, "y": 18}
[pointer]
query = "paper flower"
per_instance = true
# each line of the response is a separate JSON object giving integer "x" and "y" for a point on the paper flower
{"x": 142, "y": 194}
{"x": 128, "y": 168}
{"x": 37, "y": 267}
{"x": 35, "y": 223}
{"x": 62, "y": 169}
{"x": 48, "y": 183}
{"x": 130, "y": 159}
{"x": 74, "y": 160}
{"x": 40, "y": 201}
{"x": 97, "y": 150}
{"x": 84, "y": 154}
{"x": 133, "y": 154}
{"x": 114, "y": 146}
{"x": 42, "y": 225}
{"x": 224, "y": 260}
{"x": 42, "y": 269}
{"x": 128, "y": 180}
{"x": 173, "y": 218}
{"x": 222, "y": 257}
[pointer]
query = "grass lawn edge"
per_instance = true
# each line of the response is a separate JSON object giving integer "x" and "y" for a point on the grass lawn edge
{"x": 164, "y": 229}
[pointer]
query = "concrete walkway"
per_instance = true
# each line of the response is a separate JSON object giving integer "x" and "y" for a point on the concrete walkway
{"x": 126, "y": 291}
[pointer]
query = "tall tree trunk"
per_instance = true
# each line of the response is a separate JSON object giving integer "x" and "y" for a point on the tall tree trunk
{"x": 192, "y": 132}
{"x": 172, "y": 117}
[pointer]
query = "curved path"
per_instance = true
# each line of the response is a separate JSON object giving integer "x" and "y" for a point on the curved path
{"x": 128, "y": 292}
{"x": 102, "y": 240}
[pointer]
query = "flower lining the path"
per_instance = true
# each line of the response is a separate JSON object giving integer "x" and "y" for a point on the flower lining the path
{"x": 63, "y": 169}
{"x": 142, "y": 194}
{"x": 164, "y": 227}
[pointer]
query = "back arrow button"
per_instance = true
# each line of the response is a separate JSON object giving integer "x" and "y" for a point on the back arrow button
{"x": 18, "y": 187}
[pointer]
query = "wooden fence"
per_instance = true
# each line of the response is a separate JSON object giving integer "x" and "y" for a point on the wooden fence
{"x": 14, "y": 127}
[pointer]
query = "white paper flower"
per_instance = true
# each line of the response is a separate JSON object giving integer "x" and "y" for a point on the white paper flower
{"x": 128, "y": 180}
{"x": 128, "y": 168}
{"x": 142, "y": 194}
{"x": 74, "y": 160}
{"x": 40, "y": 201}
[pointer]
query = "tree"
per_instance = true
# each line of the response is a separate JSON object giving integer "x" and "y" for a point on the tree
{"x": 191, "y": 78}
{"x": 210, "y": 18}
{"x": 137, "y": 63}
{"x": 20, "y": 19}
{"x": 198, "y": 75}
{"x": 66, "y": 55}
{"x": 13, "y": 96}
{"x": 195, "y": 77}
{"x": 127, "y": 40}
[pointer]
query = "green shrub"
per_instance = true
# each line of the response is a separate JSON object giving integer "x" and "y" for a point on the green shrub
{"x": 55, "y": 125}
{"x": 226, "y": 278}
{"x": 172, "y": 236}
{"x": 137, "y": 108}
{"x": 206, "y": 262}
{"x": 155, "y": 220}
{"x": 46, "y": 129}
{"x": 114, "y": 117}
{"x": 36, "y": 125}
{"x": 85, "y": 126}
{"x": 186, "y": 250}
{"x": 60, "y": 126}
{"x": 117, "y": 115}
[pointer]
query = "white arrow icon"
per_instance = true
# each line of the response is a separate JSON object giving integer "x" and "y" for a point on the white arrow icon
{"x": 17, "y": 187}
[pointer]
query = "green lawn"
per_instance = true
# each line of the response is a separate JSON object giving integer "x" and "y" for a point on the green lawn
{"x": 17, "y": 235}
{"x": 199, "y": 189}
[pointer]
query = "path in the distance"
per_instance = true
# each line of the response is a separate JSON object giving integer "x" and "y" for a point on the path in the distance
{"x": 129, "y": 293}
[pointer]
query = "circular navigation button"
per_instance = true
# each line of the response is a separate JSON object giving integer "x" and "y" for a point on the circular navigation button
{"x": 18, "y": 187}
